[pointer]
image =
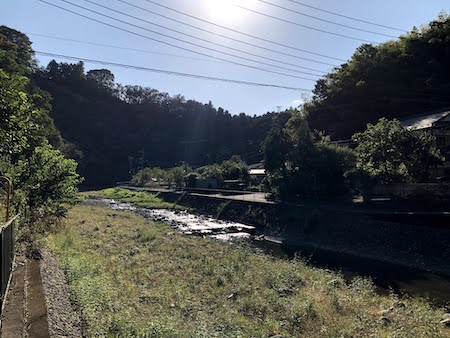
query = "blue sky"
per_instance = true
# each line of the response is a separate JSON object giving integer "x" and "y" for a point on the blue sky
{"x": 37, "y": 18}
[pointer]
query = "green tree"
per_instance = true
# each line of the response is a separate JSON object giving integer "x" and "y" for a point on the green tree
{"x": 306, "y": 169}
{"x": 389, "y": 153}
{"x": 17, "y": 114}
{"x": 16, "y": 54}
{"x": 393, "y": 80}
{"x": 213, "y": 171}
{"x": 275, "y": 147}
{"x": 177, "y": 175}
{"x": 234, "y": 169}
{"x": 45, "y": 181}
{"x": 150, "y": 176}
{"x": 103, "y": 78}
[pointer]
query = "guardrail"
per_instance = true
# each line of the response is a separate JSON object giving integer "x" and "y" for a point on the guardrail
{"x": 412, "y": 189}
{"x": 7, "y": 256}
{"x": 6, "y": 244}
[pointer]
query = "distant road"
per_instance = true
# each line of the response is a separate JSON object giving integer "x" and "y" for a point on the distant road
{"x": 386, "y": 210}
{"x": 235, "y": 195}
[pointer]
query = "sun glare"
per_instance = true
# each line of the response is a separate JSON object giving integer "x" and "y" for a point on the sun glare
{"x": 225, "y": 10}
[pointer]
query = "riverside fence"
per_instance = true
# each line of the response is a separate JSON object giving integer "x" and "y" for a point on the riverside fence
{"x": 6, "y": 242}
{"x": 7, "y": 255}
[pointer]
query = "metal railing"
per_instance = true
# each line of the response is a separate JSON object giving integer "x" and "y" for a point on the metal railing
{"x": 7, "y": 255}
{"x": 6, "y": 244}
{"x": 412, "y": 189}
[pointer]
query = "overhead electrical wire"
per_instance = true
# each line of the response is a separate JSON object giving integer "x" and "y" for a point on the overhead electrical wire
{"x": 119, "y": 47}
{"x": 171, "y": 44}
{"x": 242, "y": 33}
{"x": 169, "y": 72}
{"x": 336, "y": 107}
{"x": 346, "y": 16}
{"x": 304, "y": 26}
{"x": 325, "y": 20}
{"x": 206, "y": 40}
{"x": 410, "y": 92}
{"x": 225, "y": 36}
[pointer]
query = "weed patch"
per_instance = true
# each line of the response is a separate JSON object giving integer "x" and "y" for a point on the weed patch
{"x": 140, "y": 199}
{"x": 131, "y": 277}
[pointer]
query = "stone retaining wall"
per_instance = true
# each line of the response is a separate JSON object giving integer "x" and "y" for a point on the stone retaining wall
{"x": 353, "y": 232}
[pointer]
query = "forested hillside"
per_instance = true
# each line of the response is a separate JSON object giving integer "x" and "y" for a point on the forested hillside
{"x": 394, "y": 79}
{"x": 111, "y": 129}
{"x": 117, "y": 127}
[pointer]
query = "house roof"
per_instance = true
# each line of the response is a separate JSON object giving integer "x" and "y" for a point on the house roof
{"x": 423, "y": 121}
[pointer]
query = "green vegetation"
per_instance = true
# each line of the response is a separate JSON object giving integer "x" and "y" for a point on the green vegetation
{"x": 115, "y": 130}
{"x": 123, "y": 129}
{"x": 133, "y": 277}
{"x": 302, "y": 164}
{"x": 31, "y": 149}
{"x": 299, "y": 166}
{"x": 388, "y": 152}
{"x": 233, "y": 169}
{"x": 138, "y": 198}
{"x": 394, "y": 79}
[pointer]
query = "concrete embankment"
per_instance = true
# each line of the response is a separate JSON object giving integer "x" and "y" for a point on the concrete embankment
{"x": 364, "y": 232}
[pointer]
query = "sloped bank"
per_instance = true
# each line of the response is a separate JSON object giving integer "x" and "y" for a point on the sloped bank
{"x": 344, "y": 231}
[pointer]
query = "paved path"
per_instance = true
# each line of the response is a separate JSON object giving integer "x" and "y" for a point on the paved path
{"x": 25, "y": 310}
{"x": 257, "y": 197}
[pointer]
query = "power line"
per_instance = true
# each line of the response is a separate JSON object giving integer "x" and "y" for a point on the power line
{"x": 118, "y": 47}
{"x": 171, "y": 44}
{"x": 242, "y": 33}
{"x": 347, "y": 17}
{"x": 208, "y": 41}
{"x": 225, "y": 36}
{"x": 169, "y": 72}
{"x": 325, "y": 20}
{"x": 303, "y": 26}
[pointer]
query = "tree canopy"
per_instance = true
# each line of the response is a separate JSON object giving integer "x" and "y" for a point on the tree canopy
{"x": 300, "y": 167}
{"x": 394, "y": 79}
{"x": 390, "y": 153}
{"x": 43, "y": 179}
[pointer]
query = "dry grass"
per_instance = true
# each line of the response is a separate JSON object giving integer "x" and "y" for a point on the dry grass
{"x": 133, "y": 277}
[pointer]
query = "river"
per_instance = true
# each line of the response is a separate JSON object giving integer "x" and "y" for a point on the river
{"x": 385, "y": 275}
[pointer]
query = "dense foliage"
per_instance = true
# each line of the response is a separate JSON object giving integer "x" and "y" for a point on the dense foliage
{"x": 121, "y": 129}
{"x": 390, "y": 153}
{"x": 299, "y": 166}
{"x": 115, "y": 130}
{"x": 43, "y": 179}
{"x": 392, "y": 80}
{"x": 234, "y": 169}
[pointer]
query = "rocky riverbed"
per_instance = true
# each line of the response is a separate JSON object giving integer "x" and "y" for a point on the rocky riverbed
{"x": 188, "y": 223}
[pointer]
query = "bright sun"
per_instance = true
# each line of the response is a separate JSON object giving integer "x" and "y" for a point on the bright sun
{"x": 225, "y": 10}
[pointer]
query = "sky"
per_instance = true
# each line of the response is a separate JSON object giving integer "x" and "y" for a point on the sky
{"x": 284, "y": 44}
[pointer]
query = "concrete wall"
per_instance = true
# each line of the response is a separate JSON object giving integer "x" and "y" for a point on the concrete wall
{"x": 359, "y": 232}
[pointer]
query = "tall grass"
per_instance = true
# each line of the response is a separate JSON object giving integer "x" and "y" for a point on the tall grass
{"x": 133, "y": 277}
{"x": 138, "y": 198}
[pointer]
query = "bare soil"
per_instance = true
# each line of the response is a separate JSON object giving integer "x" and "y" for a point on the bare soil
{"x": 63, "y": 320}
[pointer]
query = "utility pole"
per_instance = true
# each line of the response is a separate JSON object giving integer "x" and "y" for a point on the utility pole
{"x": 130, "y": 161}
{"x": 141, "y": 159}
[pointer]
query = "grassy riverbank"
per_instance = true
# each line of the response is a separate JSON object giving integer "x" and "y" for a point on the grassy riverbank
{"x": 137, "y": 198}
{"x": 130, "y": 276}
